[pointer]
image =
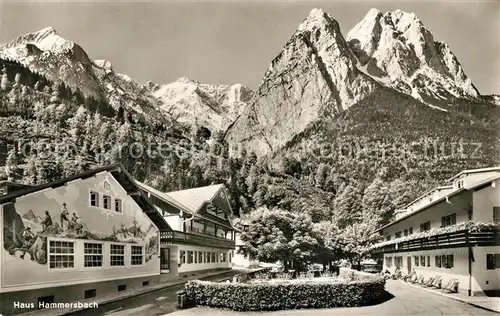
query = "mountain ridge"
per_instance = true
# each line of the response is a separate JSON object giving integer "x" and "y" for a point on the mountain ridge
{"x": 351, "y": 69}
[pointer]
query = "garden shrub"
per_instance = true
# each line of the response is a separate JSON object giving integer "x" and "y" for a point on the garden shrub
{"x": 277, "y": 295}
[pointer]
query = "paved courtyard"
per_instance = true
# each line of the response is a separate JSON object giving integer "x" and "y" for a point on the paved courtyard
{"x": 407, "y": 300}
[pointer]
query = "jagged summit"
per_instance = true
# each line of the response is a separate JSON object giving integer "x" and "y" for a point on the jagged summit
{"x": 399, "y": 51}
{"x": 314, "y": 76}
{"x": 104, "y": 64}
{"x": 316, "y": 18}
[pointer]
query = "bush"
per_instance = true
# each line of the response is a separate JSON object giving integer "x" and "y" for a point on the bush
{"x": 261, "y": 296}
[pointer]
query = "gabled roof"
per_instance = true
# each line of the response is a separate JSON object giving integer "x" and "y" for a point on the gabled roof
{"x": 193, "y": 199}
{"x": 471, "y": 187}
{"x": 119, "y": 173}
{"x": 474, "y": 171}
{"x": 162, "y": 196}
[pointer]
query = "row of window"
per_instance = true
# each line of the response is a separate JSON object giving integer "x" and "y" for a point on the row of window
{"x": 196, "y": 257}
{"x": 407, "y": 232}
{"x": 445, "y": 221}
{"x": 106, "y": 202}
{"x": 444, "y": 261}
{"x": 62, "y": 255}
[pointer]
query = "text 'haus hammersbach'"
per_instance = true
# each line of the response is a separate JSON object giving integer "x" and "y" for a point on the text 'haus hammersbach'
{"x": 101, "y": 232}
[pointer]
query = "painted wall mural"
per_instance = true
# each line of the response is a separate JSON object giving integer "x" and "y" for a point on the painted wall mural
{"x": 65, "y": 212}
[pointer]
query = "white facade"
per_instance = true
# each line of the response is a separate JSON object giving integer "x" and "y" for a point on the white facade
{"x": 474, "y": 196}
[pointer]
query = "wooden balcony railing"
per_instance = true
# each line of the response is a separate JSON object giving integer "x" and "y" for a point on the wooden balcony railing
{"x": 457, "y": 239}
{"x": 201, "y": 240}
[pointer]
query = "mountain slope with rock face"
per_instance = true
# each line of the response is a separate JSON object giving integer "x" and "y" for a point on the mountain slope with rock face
{"x": 397, "y": 49}
{"x": 187, "y": 102}
{"x": 320, "y": 76}
{"x": 211, "y": 106}
{"x": 314, "y": 76}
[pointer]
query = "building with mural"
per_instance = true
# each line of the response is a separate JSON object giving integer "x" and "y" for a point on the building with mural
{"x": 77, "y": 238}
{"x": 450, "y": 233}
{"x": 203, "y": 237}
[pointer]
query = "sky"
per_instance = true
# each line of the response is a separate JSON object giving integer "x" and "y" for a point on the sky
{"x": 228, "y": 42}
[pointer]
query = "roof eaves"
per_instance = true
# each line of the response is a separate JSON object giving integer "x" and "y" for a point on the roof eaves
{"x": 423, "y": 208}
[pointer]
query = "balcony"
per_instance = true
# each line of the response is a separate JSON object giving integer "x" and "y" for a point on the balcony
{"x": 196, "y": 239}
{"x": 462, "y": 238}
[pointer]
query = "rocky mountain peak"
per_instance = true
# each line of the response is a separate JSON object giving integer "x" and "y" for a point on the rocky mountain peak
{"x": 399, "y": 51}
{"x": 314, "y": 76}
{"x": 104, "y": 64}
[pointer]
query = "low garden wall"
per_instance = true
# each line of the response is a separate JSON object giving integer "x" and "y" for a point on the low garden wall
{"x": 350, "y": 289}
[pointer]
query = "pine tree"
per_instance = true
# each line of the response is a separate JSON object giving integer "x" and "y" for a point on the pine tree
{"x": 12, "y": 164}
{"x": 4, "y": 80}
{"x": 30, "y": 171}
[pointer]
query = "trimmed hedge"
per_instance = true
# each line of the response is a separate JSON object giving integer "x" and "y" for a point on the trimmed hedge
{"x": 265, "y": 296}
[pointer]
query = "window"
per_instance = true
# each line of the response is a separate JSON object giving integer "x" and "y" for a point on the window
{"x": 460, "y": 184}
{"x": 200, "y": 257}
{"x": 428, "y": 261}
{"x": 190, "y": 257}
{"x": 388, "y": 261}
{"x": 448, "y": 220}
{"x": 183, "y": 256}
{"x": 92, "y": 255}
{"x": 492, "y": 261}
{"x": 425, "y": 226}
{"x": 229, "y": 257}
{"x": 106, "y": 202}
{"x": 61, "y": 254}
{"x": 136, "y": 256}
{"x": 388, "y": 237}
{"x": 398, "y": 235}
{"x": 496, "y": 214}
{"x": 118, "y": 205}
{"x": 406, "y": 232}
{"x": 398, "y": 262}
{"x": 416, "y": 261}
{"x": 207, "y": 257}
{"x": 196, "y": 257}
{"x": 94, "y": 199}
{"x": 422, "y": 261}
{"x": 447, "y": 261}
{"x": 122, "y": 287}
{"x": 438, "y": 261}
{"x": 117, "y": 257}
{"x": 410, "y": 231}
{"x": 450, "y": 262}
{"x": 214, "y": 257}
{"x": 222, "y": 257}
{"x": 90, "y": 293}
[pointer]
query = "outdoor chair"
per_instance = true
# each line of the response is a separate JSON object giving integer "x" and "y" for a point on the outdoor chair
{"x": 420, "y": 279}
{"x": 429, "y": 281}
{"x": 326, "y": 274}
{"x": 414, "y": 278}
{"x": 437, "y": 282}
{"x": 451, "y": 286}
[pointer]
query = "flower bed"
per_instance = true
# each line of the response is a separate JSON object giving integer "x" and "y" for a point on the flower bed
{"x": 287, "y": 294}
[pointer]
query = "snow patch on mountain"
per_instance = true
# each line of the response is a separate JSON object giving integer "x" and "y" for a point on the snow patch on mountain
{"x": 211, "y": 106}
{"x": 397, "y": 45}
